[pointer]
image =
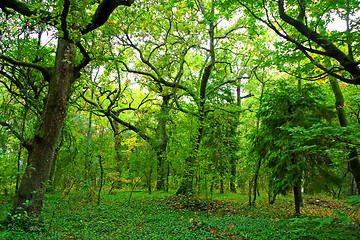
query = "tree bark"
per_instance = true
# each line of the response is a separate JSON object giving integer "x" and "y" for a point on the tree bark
{"x": 297, "y": 197}
{"x": 43, "y": 145}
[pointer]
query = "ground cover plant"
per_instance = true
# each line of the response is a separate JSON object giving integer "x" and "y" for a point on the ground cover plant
{"x": 166, "y": 216}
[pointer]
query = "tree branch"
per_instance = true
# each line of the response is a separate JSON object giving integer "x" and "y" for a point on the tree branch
{"x": 45, "y": 71}
{"x": 24, "y": 9}
{"x": 103, "y": 12}
{"x": 331, "y": 50}
{"x": 63, "y": 19}
{"x": 16, "y": 134}
{"x": 86, "y": 59}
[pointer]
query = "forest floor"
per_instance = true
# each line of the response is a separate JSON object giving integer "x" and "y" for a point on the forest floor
{"x": 164, "y": 216}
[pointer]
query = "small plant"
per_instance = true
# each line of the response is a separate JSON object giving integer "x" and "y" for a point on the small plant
{"x": 355, "y": 201}
{"x": 20, "y": 221}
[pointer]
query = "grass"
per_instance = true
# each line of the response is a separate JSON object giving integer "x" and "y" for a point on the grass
{"x": 162, "y": 216}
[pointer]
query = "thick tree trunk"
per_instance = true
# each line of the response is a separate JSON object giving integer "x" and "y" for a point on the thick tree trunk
{"x": 353, "y": 158}
{"x": 42, "y": 149}
{"x": 161, "y": 173}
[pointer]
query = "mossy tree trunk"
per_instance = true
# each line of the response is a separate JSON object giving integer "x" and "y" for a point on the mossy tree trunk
{"x": 42, "y": 147}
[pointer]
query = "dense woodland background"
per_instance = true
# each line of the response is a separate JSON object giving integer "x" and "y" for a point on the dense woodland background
{"x": 186, "y": 97}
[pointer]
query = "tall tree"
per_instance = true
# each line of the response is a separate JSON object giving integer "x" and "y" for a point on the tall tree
{"x": 306, "y": 32}
{"x": 306, "y": 28}
{"x": 288, "y": 159}
{"x": 71, "y": 22}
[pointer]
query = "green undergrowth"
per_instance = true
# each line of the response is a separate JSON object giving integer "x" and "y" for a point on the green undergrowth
{"x": 165, "y": 216}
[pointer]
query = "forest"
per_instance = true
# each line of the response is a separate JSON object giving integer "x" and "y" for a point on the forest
{"x": 179, "y": 119}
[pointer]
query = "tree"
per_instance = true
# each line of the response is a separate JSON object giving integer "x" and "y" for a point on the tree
{"x": 71, "y": 23}
{"x": 288, "y": 159}
{"x": 306, "y": 31}
{"x": 305, "y": 27}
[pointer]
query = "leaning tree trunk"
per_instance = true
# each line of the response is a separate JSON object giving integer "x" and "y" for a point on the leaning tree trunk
{"x": 353, "y": 158}
{"x": 42, "y": 147}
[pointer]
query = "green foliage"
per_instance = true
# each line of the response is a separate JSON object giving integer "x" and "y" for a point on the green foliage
{"x": 288, "y": 158}
{"x": 156, "y": 48}
{"x": 355, "y": 201}
{"x": 160, "y": 216}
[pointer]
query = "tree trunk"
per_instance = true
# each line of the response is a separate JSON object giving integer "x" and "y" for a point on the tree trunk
{"x": 167, "y": 176}
{"x": 163, "y": 140}
{"x": 258, "y": 166}
{"x": 297, "y": 197}
{"x": 149, "y": 179}
{"x": 353, "y": 158}
{"x": 233, "y": 157}
{"x": 54, "y": 166}
{"x": 88, "y": 154}
{"x": 255, "y": 180}
{"x": 41, "y": 151}
{"x": 186, "y": 185}
{"x": 101, "y": 179}
{"x": 20, "y": 150}
{"x": 232, "y": 175}
{"x": 222, "y": 189}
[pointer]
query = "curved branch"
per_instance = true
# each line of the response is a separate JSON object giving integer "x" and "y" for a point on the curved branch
{"x": 45, "y": 71}
{"x": 220, "y": 85}
{"x": 86, "y": 59}
{"x": 328, "y": 46}
{"x": 24, "y": 9}
{"x": 161, "y": 80}
{"x": 16, "y": 134}
{"x": 103, "y": 12}
{"x": 63, "y": 19}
